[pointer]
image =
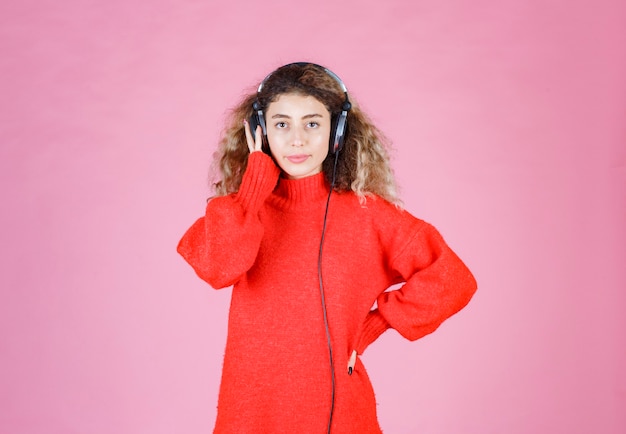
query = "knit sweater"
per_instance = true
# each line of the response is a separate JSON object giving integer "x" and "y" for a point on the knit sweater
{"x": 264, "y": 241}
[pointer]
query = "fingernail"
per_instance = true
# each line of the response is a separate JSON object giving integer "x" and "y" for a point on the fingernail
{"x": 350, "y": 371}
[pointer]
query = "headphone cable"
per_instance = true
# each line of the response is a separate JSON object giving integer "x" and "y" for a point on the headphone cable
{"x": 319, "y": 274}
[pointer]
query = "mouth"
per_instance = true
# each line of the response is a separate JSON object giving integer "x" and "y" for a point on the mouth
{"x": 296, "y": 159}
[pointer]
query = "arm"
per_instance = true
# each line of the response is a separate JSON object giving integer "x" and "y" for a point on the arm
{"x": 223, "y": 245}
{"x": 437, "y": 285}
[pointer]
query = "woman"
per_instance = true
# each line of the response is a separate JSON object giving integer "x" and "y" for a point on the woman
{"x": 307, "y": 228}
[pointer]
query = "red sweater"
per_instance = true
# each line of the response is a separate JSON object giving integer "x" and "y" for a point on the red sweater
{"x": 264, "y": 240}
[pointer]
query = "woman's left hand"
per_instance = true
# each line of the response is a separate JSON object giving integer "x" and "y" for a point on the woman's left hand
{"x": 352, "y": 362}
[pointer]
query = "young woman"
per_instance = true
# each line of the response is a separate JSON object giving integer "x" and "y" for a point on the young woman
{"x": 306, "y": 227}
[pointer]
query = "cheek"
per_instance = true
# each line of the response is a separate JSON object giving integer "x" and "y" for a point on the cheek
{"x": 273, "y": 142}
{"x": 274, "y": 153}
{"x": 323, "y": 148}
{"x": 324, "y": 141}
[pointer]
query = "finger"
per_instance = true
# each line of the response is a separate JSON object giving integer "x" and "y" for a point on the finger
{"x": 352, "y": 362}
{"x": 249, "y": 139}
{"x": 258, "y": 139}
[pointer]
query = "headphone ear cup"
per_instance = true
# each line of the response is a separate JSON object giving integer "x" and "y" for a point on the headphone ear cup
{"x": 338, "y": 132}
{"x": 257, "y": 119}
{"x": 253, "y": 121}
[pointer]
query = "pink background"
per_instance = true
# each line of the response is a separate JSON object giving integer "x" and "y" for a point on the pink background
{"x": 508, "y": 119}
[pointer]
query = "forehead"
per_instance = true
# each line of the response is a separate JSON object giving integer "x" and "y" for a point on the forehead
{"x": 294, "y": 104}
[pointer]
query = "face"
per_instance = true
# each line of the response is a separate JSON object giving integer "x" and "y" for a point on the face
{"x": 298, "y": 132}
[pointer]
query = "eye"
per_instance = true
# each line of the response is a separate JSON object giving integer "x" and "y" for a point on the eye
{"x": 281, "y": 125}
{"x": 312, "y": 124}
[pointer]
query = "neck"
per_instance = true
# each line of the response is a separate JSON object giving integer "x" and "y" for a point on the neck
{"x": 303, "y": 192}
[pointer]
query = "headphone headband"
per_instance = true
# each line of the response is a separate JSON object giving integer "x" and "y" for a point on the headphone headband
{"x": 302, "y": 64}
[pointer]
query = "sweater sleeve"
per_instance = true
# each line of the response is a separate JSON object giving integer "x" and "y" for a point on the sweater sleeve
{"x": 437, "y": 284}
{"x": 223, "y": 245}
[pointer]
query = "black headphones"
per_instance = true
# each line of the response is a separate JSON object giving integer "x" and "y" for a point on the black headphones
{"x": 338, "y": 131}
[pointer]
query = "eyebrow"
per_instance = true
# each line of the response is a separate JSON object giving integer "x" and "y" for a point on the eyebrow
{"x": 281, "y": 116}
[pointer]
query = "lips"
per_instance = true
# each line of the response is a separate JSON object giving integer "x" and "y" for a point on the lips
{"x": 296, "y": 159}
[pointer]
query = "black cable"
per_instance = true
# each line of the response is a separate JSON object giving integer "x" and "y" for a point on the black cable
{"x": 319, "y": 274}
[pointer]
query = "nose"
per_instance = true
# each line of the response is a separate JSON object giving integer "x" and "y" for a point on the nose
{"x": 298, "y": 137}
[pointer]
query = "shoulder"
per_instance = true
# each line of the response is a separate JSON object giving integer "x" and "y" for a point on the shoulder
{"x": 379, "y": 213}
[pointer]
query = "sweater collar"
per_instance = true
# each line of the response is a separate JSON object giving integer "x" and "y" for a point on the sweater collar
{"x": 301, "y": 192}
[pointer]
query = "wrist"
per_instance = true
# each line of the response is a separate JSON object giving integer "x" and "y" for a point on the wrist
{"x": 258, "y": 180}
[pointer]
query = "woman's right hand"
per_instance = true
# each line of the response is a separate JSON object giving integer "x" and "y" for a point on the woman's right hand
{"x": 254, "y": 144}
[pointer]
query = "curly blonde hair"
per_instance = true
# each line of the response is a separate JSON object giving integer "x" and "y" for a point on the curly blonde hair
{"x": 363, "y": 163}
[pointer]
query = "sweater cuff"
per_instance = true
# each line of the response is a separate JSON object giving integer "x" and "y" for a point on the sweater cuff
{"x": 373, "y": 326}
{"x": 258, "y": 181}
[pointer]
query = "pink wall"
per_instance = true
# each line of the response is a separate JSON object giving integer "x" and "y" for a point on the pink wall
{"x": 508, "y": 121}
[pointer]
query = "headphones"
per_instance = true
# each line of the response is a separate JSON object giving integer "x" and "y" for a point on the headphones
{"x": 339, "y": 123}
